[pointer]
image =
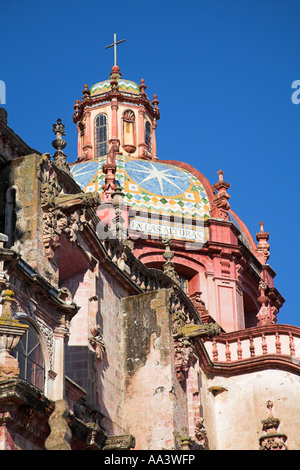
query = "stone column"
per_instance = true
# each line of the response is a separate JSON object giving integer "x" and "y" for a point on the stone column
{"x": 114, "y": 140}
{"x": 141, "y": 132}
{"x": 154, "y": 150}
{"x": 88, "y": 146}
{"x": 59, "y": 364}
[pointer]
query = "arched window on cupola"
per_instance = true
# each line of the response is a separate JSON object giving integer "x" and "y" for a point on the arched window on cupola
{"x": 148, "y": 136}
{"x": 100, "y": 135}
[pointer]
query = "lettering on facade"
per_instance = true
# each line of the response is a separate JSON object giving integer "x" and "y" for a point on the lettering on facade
{"x": 160, "y": 228}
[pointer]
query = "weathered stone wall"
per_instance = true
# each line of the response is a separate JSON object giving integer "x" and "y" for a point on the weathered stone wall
{"x": 12, "y": 440}
{"x": 97, "y": 293}
{"x": 234, "y": 407}
{"x": 155, "y": 409}
{"x": 5, "y": 183}
{"x": 28, "y": 230}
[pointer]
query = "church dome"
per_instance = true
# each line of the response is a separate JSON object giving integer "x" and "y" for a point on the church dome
{"x": 166, "y": 189}
{"x": 125, "y": 86}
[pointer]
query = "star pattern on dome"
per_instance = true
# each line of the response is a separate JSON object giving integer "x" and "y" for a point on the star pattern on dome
{"x": 157, "y": 178}
{"x": 84, "y": 173}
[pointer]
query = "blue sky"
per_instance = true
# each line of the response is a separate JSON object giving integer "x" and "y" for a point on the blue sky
{"x": 223, "y": 72}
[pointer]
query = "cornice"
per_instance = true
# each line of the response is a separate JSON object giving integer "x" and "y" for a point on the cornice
{"x": 120, "y": 98}
{"x": 38, "y": 282}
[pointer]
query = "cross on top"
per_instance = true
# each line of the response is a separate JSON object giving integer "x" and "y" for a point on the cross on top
{"x": 114, "y": 44}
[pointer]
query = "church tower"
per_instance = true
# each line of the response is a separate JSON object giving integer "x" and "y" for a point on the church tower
{"x": 116, "y": 114}
{"x": 137, "y": 310}
{"x": 164, "y": 202}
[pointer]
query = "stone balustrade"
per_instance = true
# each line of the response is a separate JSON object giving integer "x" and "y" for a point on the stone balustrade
{"x": 282, "y": 341}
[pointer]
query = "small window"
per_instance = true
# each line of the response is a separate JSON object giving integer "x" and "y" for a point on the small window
{"x": 30, "y": 357}
{"x": 100, "y": 135}
{"x": 184, "y": 284}
{"x": 148, "y": 135}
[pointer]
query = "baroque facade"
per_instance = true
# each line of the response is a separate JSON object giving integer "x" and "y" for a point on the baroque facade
{"x": 137, "y": 311}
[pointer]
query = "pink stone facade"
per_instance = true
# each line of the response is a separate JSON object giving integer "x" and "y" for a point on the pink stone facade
{"x": 140, "y": 342}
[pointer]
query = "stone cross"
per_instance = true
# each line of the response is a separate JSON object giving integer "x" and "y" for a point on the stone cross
{"x": 114, "y": 44}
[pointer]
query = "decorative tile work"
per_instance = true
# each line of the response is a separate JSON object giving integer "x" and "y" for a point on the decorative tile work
{"x": 125, "y": 86}
{"x": 86, "y": 174}
{"x": 154, "y": 189}
{"x": 160, "y": 188}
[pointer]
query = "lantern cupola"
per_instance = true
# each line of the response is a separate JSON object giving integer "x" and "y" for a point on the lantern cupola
{"x": 116, "y": 113}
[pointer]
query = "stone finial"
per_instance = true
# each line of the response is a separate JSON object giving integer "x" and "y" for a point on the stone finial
{"x": 266, "y": 314}
{"x": 60, "y": 435}
{"x": 221, "y": 198}
{"x": 272, "y": 440}
{"x": 8, "y": 298}
{"x": 143, "y": 87}
{"x": 262, "y": 248}
{"x": 85, "y": 91}
{"x": 109, "y": 169}
{"x": 76, "y": 106}
{"x": 155, "y": 102}
{"x": 11, "y": 331}
{"x": 59, "y": 131}
{"x": 168, "y": 255}
{"x": 117, "y": 199}
{"x": 114, "y": 84}
{"x": 115, "y": 70}
{"x": 59, "y": 144}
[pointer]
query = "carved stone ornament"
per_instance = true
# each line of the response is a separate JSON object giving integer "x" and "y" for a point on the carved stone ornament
{"x": 60, "y": 435}
{"x": 200, "y": 434}
{"x": 97, "y": 342}
{"x": 190, "y": 330}
{"x": 168, "y": 255}
{"x": 11, "y": 331}
{"x": 222, "y": 197}
{"x": 272, "y": 440}
{"x": 183, "y": 347}
{"x": 125, "y": 442}
{"x": 266, "y": 314}
{"x": 184, "y": 333}
{"x": 60, "y": 158}
{"x": 49, "y": 184}
{"x": 63, "y": 213}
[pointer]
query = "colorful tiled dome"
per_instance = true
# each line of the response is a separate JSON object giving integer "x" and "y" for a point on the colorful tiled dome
{"x": 163, "y": 190}
{"x": 125, "y": 86}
